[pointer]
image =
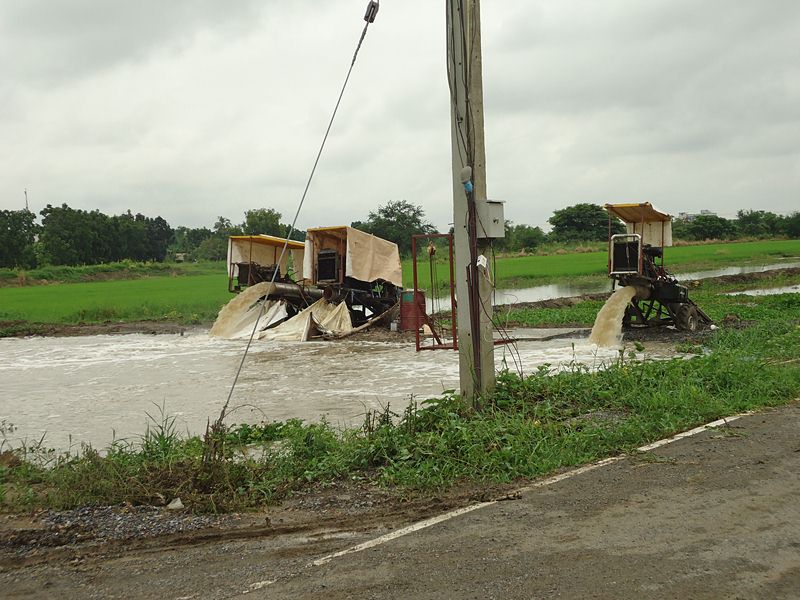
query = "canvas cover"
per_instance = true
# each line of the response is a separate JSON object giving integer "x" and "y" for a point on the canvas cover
{"x": 367, "y": 257}
{"x": 264, "y": 250}
{"x": 238, "y": 317}
{"x": 320, "y": 317}
{"x": 654, "y": 226}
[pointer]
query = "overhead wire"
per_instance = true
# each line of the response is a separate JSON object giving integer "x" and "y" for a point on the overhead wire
{"x": 372, "y": 9}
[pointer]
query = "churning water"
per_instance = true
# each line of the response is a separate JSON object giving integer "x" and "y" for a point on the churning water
{"x": 607, "y": 330}
{"x": 88, "y": 389}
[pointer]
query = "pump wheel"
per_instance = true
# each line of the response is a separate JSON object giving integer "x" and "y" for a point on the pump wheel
{"x": 687, "y": 318}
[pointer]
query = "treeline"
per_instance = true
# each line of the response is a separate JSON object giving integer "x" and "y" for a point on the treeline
{"x": 747, "y": 224}
{"x": 67, "y": 236}
{"x": 589, "y": 222}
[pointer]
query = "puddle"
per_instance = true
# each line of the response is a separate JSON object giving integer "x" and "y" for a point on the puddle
{"x": 550, "y": 292}
{"x": 736, "y": 271}
{"x": 791, "y": 289}
{"x": 97, "y": 388}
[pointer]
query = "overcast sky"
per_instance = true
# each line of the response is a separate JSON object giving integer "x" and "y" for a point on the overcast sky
{"x": 194, "y": 109}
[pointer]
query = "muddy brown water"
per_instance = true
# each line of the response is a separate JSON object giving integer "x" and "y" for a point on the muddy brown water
{"x": 94, "y": 389}
{"x": 607, "y": 329}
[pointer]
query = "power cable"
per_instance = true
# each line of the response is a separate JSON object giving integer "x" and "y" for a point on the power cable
{"x": 369, "y": 17}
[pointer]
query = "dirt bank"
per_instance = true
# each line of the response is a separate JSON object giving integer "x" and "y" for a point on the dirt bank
{"x": 25, "y": 328}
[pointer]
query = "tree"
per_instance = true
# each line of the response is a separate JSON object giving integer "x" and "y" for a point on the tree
{"x": 524, "y": 237}
{"x": 263, "y": 220}
{"x": 268, "y": 220}
{"x": 711, "y": 227}
{"x": 791, "y": 225}
{"x": 582, "y": 222}
{"x": 224, "y": 228}
{"x": 680, "y": 229}
{"x": 64, "y": 236}
{"x": 213, "y": 248}
{"x": 397, "y": 221}
{"x": 17, "y": 235}
{"x": 75, "y": 237}
{"x": 159, "y": 234}
{"x": 758, "y": 223}
{"x": 186, "y": 240}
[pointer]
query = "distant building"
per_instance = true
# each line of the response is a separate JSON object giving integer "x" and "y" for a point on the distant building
{"x": 688, "y": 217}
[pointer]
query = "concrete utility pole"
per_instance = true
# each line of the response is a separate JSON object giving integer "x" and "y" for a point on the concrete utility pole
{"x": 471, "y": 213}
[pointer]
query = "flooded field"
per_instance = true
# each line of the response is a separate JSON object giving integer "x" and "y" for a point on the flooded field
{"x": 97, "y": 388}
{"x": 566, "y": 290}
{"x": 789, "y": 289}
{"x": 744, "y": 270}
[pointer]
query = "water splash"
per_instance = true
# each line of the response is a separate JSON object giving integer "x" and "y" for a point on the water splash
{"x": 607, "y": 329}
{"x": 237, "y": 317}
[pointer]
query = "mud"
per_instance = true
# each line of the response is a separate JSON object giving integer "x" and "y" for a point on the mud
{"x": 25, "y": 329}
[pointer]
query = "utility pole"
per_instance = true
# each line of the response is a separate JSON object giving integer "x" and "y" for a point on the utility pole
{"x": 26, "y": 199}
{"x": 471, "y": 213}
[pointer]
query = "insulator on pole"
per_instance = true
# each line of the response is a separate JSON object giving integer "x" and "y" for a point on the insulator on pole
{"x": 372, "y": 11}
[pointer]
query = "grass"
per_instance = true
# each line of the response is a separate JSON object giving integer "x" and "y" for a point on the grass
{"x": 181, "y": 299}
{"x": 521, "y": 271}
{"x": 192, "y": 293}
{"x": 127, "y": 269}
{"x": 709, "y": 295}
{"x": 528, "y": 428}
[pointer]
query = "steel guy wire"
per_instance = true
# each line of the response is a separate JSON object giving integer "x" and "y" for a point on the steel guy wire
{"x": 296, "y": 215}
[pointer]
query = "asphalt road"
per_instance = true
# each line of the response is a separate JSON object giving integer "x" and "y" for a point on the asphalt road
{"x": 716, "y": 515}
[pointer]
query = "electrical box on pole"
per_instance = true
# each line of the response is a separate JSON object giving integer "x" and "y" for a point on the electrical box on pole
{"x": 475, "y": 220}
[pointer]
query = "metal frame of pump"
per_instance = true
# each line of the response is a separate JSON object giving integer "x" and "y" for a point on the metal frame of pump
{"x": 660, "y": 299}
{"x": 438, "y": 328}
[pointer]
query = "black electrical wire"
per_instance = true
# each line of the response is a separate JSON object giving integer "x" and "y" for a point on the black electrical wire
{"x": 300, "y": 205}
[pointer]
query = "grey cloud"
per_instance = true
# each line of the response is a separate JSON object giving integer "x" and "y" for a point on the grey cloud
{"x": 195, "y": 109}
{"x": 46, "y": 41}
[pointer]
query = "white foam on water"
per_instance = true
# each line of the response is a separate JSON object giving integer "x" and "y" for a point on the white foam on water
{"x": 95, "y": 387}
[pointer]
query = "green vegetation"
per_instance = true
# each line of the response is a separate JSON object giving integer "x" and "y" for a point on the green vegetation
{"x": 528, "y": 428}
{"x": 540, "y": 269}
{"x": 180, "y": 299}
{"x": 709, "y": 295}
{"x": 126, "y": 269}
{"x": 194, "y": 292}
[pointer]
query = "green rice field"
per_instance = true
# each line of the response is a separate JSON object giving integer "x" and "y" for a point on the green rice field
{"x": 197, "y": 297}
{"x": 521, "y": 271}
{"x": 181, "y": 299}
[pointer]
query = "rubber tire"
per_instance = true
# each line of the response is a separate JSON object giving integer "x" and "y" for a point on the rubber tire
{"x": 687, "y": 318}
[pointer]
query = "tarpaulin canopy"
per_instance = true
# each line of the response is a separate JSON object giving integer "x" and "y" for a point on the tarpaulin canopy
{"x": 367, "y": 257}
{"x": 238, "y": 317}
{"x": 321, "y": 317}
{"x": 264, "y": 250}
{"x": 637, "y": 213}
{"x": 654, "y": 226}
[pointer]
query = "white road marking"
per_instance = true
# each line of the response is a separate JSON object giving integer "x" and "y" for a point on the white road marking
{"x": 538, "y": 484}
{"x": 258, "y": 585}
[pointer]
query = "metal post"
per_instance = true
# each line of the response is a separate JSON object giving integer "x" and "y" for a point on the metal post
{"x": 473, "y": 315}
